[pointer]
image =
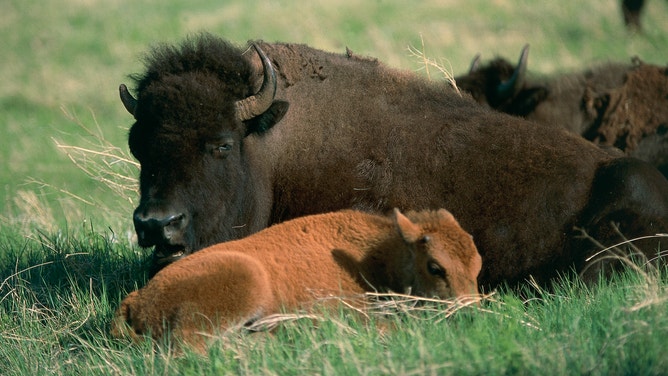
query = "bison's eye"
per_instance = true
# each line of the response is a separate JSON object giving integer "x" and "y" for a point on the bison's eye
{"x": 425, "y": 239}
{"x": 221, "y": 150}
{"x": 435, "y": 269}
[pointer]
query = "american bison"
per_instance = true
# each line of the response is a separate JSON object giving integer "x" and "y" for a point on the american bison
{"x": 614, "y": 105}
{"x": 292, "y": 264}
{"x": 631, "y": 10}
{"x": 231, "y": 140}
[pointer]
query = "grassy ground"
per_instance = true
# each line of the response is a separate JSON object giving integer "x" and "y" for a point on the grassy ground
{"x": 54, "y": 317}
{"x": 66, "y": 251}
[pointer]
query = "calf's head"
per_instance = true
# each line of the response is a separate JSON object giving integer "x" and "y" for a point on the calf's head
{"x": 195, "y": 106}
{"x": 442, "y": 260}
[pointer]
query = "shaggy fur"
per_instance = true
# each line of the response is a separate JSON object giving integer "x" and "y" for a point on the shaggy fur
{"x": 620, "y": 105}
{"x": 358, "y": 134}
{"x": 292, "y": 264}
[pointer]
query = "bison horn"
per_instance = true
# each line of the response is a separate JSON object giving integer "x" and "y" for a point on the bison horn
{"x": 509, "y": 88}
{"x": 475, "y": 64}
{"x": 128, "y": 100}
{"x": 255, "y": 105}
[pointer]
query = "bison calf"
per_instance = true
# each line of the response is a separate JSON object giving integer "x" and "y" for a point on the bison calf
{"x": 290, "y": 265}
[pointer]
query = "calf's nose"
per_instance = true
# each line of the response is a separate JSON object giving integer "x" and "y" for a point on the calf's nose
{"x": 152, "y": 230}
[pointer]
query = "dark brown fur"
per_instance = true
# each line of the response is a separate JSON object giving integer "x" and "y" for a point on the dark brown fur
{"x": 631, "y": 11}
{"x": 291, "y": 265}
{"x": 614, "y": 105}
{"x": 358, "y": 134}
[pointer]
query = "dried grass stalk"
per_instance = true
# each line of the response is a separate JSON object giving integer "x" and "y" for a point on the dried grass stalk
{"x": 103, "y": 161}
{"x": 422, "y": 58}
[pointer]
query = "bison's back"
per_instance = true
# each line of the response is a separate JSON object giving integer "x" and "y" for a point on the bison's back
{"x": 408, "y": 143}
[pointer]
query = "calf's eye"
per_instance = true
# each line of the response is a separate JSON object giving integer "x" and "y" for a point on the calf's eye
{"x": 435, "y": 269}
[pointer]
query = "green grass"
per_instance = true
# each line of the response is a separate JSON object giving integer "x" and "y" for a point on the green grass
{"x": 66, "y": 251}
{"x": 56, "y": 303}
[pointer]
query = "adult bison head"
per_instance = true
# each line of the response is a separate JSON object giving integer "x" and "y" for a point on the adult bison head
{"x": 501, "y": 86}
{"x": 194, "y": 109}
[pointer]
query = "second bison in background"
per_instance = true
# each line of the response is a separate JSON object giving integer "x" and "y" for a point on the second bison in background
{"x": 624, "y": 105}
{"x": 290, "y": 265}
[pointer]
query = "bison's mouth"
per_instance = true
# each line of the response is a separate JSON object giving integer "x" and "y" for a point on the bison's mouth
{"x": 165, "y": 254}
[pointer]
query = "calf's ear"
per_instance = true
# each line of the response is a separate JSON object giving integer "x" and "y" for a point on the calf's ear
{"x": 267, "y": 119}
{"x": 408, "y": 230}
{"x": 444, "y": 214}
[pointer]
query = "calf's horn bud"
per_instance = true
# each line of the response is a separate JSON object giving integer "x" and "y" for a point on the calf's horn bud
{"x": 509, "y": 88}
{"x": 255, "y": 105}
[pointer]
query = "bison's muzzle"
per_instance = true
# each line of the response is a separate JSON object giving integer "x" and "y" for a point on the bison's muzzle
{"x": 166, "y": 234}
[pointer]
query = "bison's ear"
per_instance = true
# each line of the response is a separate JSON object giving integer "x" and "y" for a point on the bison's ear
{"x": 408, "y": 230}
{"x": 527, "y": 100}
{"x": 267, "y": 119}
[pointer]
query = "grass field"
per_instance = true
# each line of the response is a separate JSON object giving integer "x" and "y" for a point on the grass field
{"x": 66, "y": 250}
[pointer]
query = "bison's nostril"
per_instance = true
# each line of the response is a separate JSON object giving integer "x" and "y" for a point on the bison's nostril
{"x": 175, "y": 220}
{"x": 173, "y": 226}
{"x": 152, "y": 230}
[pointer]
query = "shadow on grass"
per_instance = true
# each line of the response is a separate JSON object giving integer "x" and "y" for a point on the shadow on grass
{"x": 53, "y": 278}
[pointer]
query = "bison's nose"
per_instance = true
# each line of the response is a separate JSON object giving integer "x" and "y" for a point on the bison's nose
{"x": 153, "y": 230}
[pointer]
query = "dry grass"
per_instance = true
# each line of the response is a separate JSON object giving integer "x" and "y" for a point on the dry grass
{"x": 103, "y": 161}
{"x": 651, "y": 290}
{"x": 112, "y": 168}
{"x": 379, "y": 306}
{"x": 32, "y": 212}
{"x": 427, "y": 62}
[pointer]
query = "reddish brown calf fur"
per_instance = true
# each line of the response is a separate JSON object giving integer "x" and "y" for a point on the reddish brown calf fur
{"x": 290, "y": 265}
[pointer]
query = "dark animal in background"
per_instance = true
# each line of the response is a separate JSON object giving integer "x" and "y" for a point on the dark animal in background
{"x": 221, "y": 159}
{"x": 291, "y": 265}
{"x": 621, "y": 105}
{"x": 631, "y": 10}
